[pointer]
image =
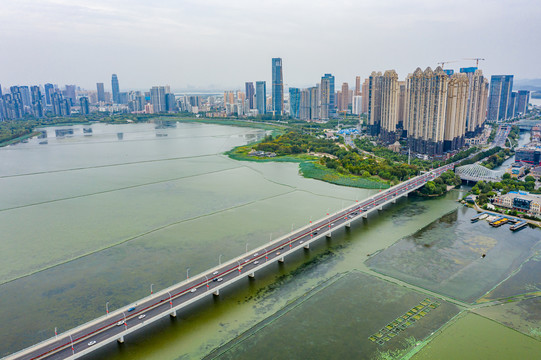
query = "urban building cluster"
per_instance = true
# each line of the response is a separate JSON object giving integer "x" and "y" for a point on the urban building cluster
{"x": 520, "y": 201}
{"x": 435, "y": 111}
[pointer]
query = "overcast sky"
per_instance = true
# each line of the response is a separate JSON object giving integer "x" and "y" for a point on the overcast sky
{"x": 223, "y": 43}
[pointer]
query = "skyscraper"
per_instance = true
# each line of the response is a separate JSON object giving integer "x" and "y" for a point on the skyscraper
{"x": 250, "y": 94}
{"x": 116, "y": 89}
{"x": 511, "y": 105}
{"x": 456, "y": 110}
{"x": 0, "y": 91}
{"x": 294, "y": 102}
{"x": 101, "y": 92}
{"x": 85, "y": 107}
{"x": 157, "y": 98}
{"x": 261, "y": 97}
{"x": 304, "y": 106}
{"x": 357, "y": 86}
{"x": 332, "y": 96}
{"x": 523, "y": 98}
{"x": 426, "y": 100}
{"x": 69, "y": 94}
{"x": 277, "y": 87}
{"x": 501, "y": 87}
{"x": 373, "y": 90}
{"x": 325, "y": 96}
{"x": 37, "y": 101}
{"x": 389, "y": 106}
{"x": 477, "y": 100}
{"x": 49, "y": 89}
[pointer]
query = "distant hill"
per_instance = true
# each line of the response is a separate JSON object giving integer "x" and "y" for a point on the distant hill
{"x": 527, "y": 84}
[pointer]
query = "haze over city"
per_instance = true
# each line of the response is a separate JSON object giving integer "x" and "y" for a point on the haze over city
{"x": 213, "y": 44}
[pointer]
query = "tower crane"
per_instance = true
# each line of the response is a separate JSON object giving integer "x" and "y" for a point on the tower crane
{"x": 446, "y": 62}
{"x": 476, "y": 60}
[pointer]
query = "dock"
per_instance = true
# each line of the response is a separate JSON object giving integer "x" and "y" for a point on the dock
{"x": 518, "y": 225}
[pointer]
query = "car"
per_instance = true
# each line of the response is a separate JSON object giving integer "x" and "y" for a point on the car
{"x": 332, "y": 224}
{"x": 131, "y": 309}
{"x": 120, "y": 323}
{"x": 92, "y": 343}
{"x": 214, "y": 273}
{"x": 256, "y": 254}
{"x": 256, "y": 262}
{"x": 219, "y": 279}
{"x": 300, "y": 242}
{"x": 141, "y": 316}
{"x": 314, "y": 233}
{"x": 193, "y": 290}
{"x": 277, "y": 253}
{"x": 245, "y": 260}
{"x": 215, "y": 279}
{"x": 282, "y": 248}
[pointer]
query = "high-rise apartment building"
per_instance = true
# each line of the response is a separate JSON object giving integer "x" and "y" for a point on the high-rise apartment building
{"x": 426, "y": 100}
{"x": 37, "y": 101}
{"x": 401, "y": 105}
{"x": 512, "y": 105}
{"x": 116, "y": 89}
{"x": 261, "y": 97}
{"x": 250, "y": 94}
{"x": 364, "y": 93}
{"x": 332, "y": 96}
{"x": 501, "y": 87}
{"x": 315, "y": 102}
{"x": 456, "y": 111}
{"x": 69, "y": 94}
{"x": 343, "y": 104}
{"x": 101, "y": 92}
{"x": 157, "y": 99}
{"x": 523, "y": 98}
{"x": 383, "y": 94}
{"x": 277, "y": 87}
{"x": 325, "y": 96}
{"x": 304, "y": 106}
{"x": 49, "y": 89}
{"x": 358, "y": 90}
{"x": 477, "y": 100}
{"x": 85, "y": 105}
{"x": 294, "y": 102}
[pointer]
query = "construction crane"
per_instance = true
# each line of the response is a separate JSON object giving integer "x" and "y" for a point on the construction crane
{"x": 476, "y": 61}
{"x": 446, "y": 62}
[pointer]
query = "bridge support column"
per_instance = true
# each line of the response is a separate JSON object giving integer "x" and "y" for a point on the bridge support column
{"x": 365, "y": 215}
{"x": 329, "y": 235}
{"x": 394, "y": 201}
{"x": 173, "y": 314}
{"x": 380, "y": 208}
{"x": 281, "y": 259}
{"x": 348, "y": 225}
{"x": 252, "y": 275}
{"x": 307, "y": 246}
{"x": 120, "y": 340}
{"x": 216, "y": 293}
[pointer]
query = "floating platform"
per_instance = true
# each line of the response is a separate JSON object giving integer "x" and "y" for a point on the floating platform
{"x": 518, "y": 226}
{"x": 479, "y": 216}
{"x": 499, "y": 222}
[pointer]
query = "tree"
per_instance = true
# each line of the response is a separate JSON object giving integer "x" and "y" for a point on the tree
{"x": 506, "y": 176}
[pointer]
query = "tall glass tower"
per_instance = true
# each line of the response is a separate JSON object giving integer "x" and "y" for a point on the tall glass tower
{"x": 277, "y": 87}
{"x": 501, "y": 87}
{"x": 294, "y": 102}
{"x": 261, "y": 97}
{"x": 116, "y": 90}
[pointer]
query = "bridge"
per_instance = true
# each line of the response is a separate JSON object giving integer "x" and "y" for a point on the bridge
{"x": 115, "y": 326}
{"x": 476, "y": 172}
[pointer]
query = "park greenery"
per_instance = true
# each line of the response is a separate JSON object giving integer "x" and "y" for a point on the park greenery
{"x": 486, "y": 190}
{"x": 497, "y": 159}
{"x": 439, "y": 185}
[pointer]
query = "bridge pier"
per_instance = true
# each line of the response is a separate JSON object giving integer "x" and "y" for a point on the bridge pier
{"x": 120, "y": 340}
{"x": 365, "y": 215}
{"x": 281, "y": 259}
{"x": 328, "y": 235}
{"x": 307, "y": 246}
{"x": 394, "y": 201}
{"x": 173, "y": 314}
{"x": 380, "y": 208}
{"x": 252, "y": 275}
{"x": 216, "y": 293}
{"x": 348, "y": 225}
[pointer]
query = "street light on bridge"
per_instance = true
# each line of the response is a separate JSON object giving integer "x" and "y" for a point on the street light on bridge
{"x": 107, "y": 308}
{"x": 151, "y": 292}
{"x": 220, "y": 259}
{"x": 187, "y": 273}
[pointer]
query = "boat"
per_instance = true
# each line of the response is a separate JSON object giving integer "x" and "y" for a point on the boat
{"x": 483, "y": 216}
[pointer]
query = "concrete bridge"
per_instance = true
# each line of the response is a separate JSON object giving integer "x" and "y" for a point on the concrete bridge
{"x": 115, "y": 326}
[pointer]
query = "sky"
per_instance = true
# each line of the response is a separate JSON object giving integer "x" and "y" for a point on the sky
{"x": 221, "y": 44}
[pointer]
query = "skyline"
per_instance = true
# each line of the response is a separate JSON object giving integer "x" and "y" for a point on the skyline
{"x": 208, "y": 44}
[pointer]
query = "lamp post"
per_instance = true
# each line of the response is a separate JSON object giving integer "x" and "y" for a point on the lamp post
{"x": 125, "y": 322}
{"x": 266, "y": 255}
{"x": 220, "y": 259}
{"x": 239, "y": 266}
{"x": 151, "y": 292}
{"x": 170, "y": 300}
{"x": 187, "y": 273}
{"x": 207, "y": 282}
{"x": 72, "y": 349}
{"x": 246, "y": 248}
{"x": 107, "y": 308}
{"x": 55, "y": 333}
